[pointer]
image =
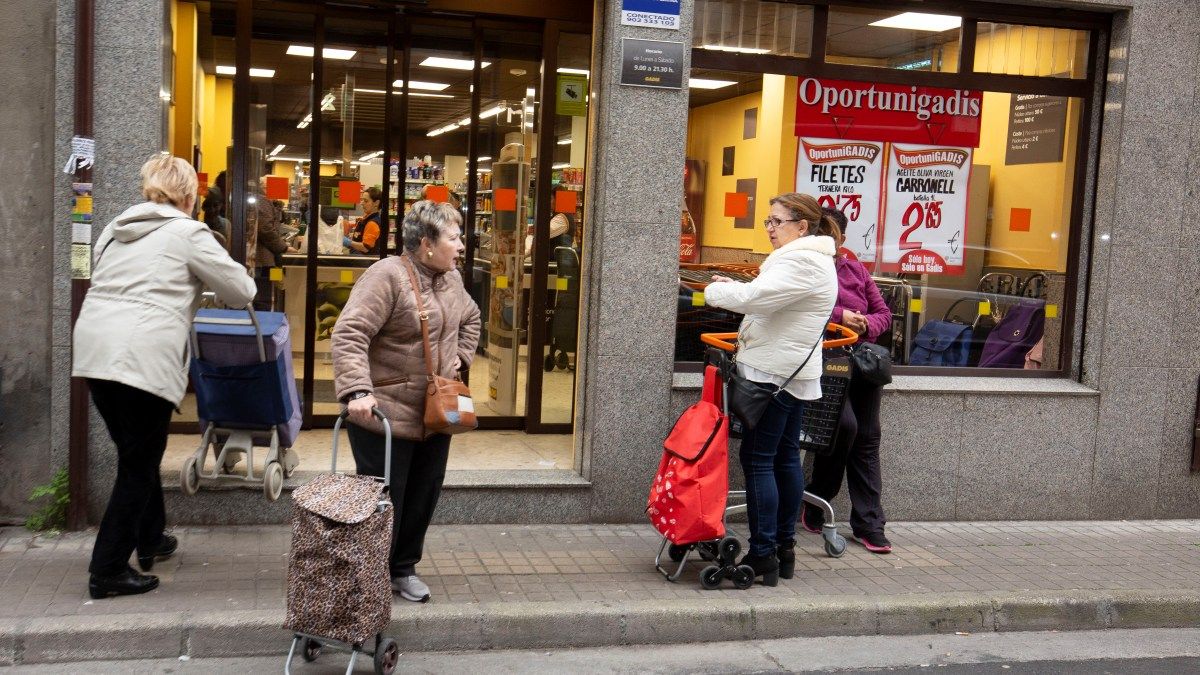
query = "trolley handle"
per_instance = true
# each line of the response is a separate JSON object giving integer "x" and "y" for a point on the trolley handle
{"x": 213, "y": 321}
{"x": 387, "y": 444}
{"x": 725, "y": 341}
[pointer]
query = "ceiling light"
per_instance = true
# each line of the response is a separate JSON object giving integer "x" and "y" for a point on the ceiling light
{"x": 574, "y": 71}
{"x": 327, "y": 52}
{"x": 441, "y": 130}
{"x": 483, "y": 170}
{"x": 531, "y": 92}
{"x": 492, "y": 112}
{"x": 562, "y": 165}
{"x": 701, "y": 83}
{"x": 414, "y": 84}
{"x": 920, "y": 21}
{"x": 327, "y": 102}
{"x": 744, "y": 50}
{"x": 278, "y": 149}
{"x": 565, "y": 141}
{"x": 529, "y": 109}
{"x": 370, "y": 156}
{"x": 369, "y": 91}
{"x": 411, "y": 93}
{"x": 464, "y": 122}
{"x": 483, "y": 159}
{"x": 226, "y": 70}
{"x": 456, "y": 64}
{"x": 304, "y": 122}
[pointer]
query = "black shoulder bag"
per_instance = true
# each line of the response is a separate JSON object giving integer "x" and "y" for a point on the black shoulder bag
{"x": 748, "y": 399}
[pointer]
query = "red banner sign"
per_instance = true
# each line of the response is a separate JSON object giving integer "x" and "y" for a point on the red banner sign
{"x": 872, "y": 111}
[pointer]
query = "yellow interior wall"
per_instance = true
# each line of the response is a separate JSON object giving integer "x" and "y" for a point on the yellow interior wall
{"x": 183, "y": 112}
{"x": 216, "y": 124}
{"x": 329, "y": 169}
{"x": 285, "y": 169}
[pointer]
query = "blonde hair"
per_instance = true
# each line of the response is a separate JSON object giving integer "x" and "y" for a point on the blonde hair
{"x": 804, "y": 207}
{"x": 168, "y": 180}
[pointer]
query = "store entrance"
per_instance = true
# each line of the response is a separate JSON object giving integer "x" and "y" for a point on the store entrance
{"x": 460, "y": 110}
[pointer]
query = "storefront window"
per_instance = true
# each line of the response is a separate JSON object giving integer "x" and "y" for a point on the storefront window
{"x": 753, "y": 27}
{"x": 884, "y": 38}
{"x": 959, "y": 201}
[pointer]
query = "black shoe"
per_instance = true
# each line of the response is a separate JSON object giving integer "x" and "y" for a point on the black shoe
{"x": 766, "y": 566}
{"x": 874, "y": 542}
{"x": 129, "y": 582}
{"x": 165, "y": 549}
{"x": 786, "y": 553}
{"x": 811, "y": 519}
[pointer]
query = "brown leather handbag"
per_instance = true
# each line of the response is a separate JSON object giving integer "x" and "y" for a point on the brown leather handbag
{"x": 448, "y": 405}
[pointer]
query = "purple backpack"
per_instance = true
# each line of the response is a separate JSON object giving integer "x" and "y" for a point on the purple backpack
{"x": 1014, "y": 336}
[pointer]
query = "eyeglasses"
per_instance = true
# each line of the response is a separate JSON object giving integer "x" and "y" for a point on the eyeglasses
{"x": 773, "y": 223}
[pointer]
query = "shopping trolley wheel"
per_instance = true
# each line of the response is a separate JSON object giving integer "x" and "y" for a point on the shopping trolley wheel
{"x": 387, "y": 655}
{"x": 312, "y": 649}
{"x": 743, "y": 577}
{"x": 729, "y": 548}
{"x": 835, "y": 547}
{"x": 273, "y": 481}
{"x": 707, "y": 550}
{"x": 562, "y": 360}
{"x": 189, "y": 476}
{"x": 711, "y": 576}
{"x": 677, "y": 552}
{"x": 548, "y": 365}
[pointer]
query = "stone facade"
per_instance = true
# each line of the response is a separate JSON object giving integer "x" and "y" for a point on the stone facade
{"x": 1113, "y": 442}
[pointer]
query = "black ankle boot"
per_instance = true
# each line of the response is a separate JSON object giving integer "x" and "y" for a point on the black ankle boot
{"x": 786, "y": 552}
{"x": 766, "y": 566}
{"x": 165, "y": 549}
{"x": 128, "y": 582}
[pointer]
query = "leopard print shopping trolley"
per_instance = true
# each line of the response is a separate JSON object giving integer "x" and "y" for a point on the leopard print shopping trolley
{"x": 338, "y": 588}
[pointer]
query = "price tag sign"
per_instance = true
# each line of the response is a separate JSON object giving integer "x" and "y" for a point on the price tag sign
{"x": 846, "y": 176}
{"x": 925, "y": 220}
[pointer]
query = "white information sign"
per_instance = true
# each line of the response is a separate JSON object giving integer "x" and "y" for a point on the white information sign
{"x": 925, "y": 217}
{"x": 845, "y": 175}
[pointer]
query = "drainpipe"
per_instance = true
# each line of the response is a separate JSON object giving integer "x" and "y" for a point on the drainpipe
{"x": 77, "y": 466}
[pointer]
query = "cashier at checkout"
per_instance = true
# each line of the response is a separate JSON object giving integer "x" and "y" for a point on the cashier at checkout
{"x": 364, "y": 238}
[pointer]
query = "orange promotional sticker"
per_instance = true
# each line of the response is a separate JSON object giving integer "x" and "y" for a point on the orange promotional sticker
{"x": 565, "y": 201}
{"x": 737, "y": 204}
{"x": 277, "y": 187}
{"x": 349, "y": 191}
{"x": 505, "y": 199}
{"x": 1018, "y": 220}
{"x": 437, "y": 193}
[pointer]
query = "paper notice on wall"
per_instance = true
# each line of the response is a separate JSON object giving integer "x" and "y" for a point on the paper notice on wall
{"x": 845, "y": 175}
{"x": 925, "y": 217}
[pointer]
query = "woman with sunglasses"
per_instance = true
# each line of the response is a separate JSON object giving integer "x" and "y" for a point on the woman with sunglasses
{"x": 786, "y": 308}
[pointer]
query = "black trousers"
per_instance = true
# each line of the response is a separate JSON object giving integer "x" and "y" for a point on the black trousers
{"x": 137, "y": 421}
{"x": 418, "y": 470}
{"x": 856, "y": 456}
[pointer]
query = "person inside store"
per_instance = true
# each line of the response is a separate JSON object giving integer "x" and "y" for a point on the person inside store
{"x": 379, "y": 362}
{"x": 214, "y": 210}
{"x": 785, "y": 310}
{"x": 265, "y": 246}
{"x": 861, "y": 308}
{"x": 364, "y": 238}
{"x": 150, "y": 265}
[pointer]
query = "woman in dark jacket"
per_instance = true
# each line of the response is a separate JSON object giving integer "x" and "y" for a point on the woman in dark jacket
{"x": 861, "y": 308}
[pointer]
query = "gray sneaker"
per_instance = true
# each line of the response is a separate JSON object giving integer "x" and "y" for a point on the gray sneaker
{"x": 411, "y": 588}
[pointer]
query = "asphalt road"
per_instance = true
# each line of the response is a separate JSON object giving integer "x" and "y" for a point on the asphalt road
{"x": 1127, "y": 652}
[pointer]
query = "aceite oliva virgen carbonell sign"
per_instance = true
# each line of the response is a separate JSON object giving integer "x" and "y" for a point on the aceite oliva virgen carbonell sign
{"x": 896, "y": 159}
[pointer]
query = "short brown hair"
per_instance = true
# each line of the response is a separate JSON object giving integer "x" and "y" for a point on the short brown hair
{"x": 804, "y": 207}
{"x": 169, "y": 180}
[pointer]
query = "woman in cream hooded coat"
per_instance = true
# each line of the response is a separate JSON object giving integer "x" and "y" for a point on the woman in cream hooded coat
{"x": 131, "y": 343}
{"x": 786, "y": 308}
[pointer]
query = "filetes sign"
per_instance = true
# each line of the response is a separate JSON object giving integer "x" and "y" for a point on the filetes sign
{"x": 845, "y": 175}
{"x": 869, "y": 111}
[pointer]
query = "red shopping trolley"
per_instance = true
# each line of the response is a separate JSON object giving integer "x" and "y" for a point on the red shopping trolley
{"x": 689, "y": 499}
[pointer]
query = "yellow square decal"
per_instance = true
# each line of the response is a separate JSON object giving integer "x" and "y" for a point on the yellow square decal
{"x": 560, "y": 283}
{"x": 1051, "y": 311}
{"x": 501, "y": 281}
{"x": 698, "y": 299}
{"x": 276, "y": 274}
{"x": 915, "y": 305}
{"x": 985, "y": 307}
{"x": 347, "y": 276}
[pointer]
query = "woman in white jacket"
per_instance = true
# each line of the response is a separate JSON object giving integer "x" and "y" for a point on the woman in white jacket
{"x": 130, "y": 342}
{"x": 786, "y": 308}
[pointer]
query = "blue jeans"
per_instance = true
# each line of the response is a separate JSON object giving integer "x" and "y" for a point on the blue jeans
{"x": 770, "y": 455}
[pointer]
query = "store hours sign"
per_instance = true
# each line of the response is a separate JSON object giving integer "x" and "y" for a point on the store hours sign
{"x": 926, "y": 209}
{"x": 845, "y": 175}
{"x": 652, "y": 63}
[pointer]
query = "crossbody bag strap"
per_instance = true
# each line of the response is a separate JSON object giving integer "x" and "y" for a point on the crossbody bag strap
{"x": 820, "y": 338}
{"x": 424, "y": 316}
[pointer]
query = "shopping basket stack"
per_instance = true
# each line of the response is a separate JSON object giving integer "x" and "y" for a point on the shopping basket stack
{"x": 246, "y": 396}
{"x": 338, "y": 587}
{"x": 694, "y": 469}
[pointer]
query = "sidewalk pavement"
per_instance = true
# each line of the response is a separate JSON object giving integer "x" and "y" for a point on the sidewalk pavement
{"x": 518, "y": 586}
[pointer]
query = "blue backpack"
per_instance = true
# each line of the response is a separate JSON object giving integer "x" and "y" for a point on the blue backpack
{"x": 942, "y": 343}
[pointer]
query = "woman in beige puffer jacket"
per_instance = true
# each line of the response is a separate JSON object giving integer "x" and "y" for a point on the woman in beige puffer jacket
{"x": 379, "y": 361}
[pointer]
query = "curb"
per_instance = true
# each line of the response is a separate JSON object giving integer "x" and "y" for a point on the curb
{"x": 534, "y": 625}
